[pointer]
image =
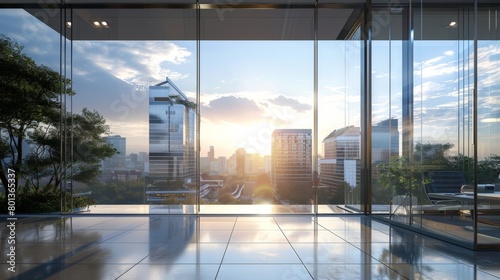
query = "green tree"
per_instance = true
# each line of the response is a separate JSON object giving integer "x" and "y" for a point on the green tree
{"x": 432, "y": 156}
{"x": 118, "y": 192}
{"x": 263, "y": 192}
{"x": 297, "y": 192}
{"x": 463, "y": 163}
{"x": 29, "y": 97}
{"x": 31, "y": 112}
{"x": 85, "y": 150}
{"x": 396, "y": 176}
{"x": 489, "y": 169}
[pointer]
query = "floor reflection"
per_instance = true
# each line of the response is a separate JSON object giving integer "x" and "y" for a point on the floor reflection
{"x": 234, "y": 247}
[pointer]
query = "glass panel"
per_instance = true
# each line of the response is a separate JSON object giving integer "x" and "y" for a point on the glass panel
{"x": 257, "y": 111}
{"x": 144, "y": 77}
{"x": 388, "y": 194}
{"x": 32, "y": 88}
{"x": 488, "y": 96}
{"x": 443, "y": 120}
{"x": 339, "y": 92}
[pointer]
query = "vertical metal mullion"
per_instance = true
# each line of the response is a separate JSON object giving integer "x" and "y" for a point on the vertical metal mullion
{"x": 61, "y": 100}
{"x": 407, "y": 100}
{"x": 71, "y": 102}
{"x": 198, "y": 100}
{"x": 315, "y": 130}
{"x": 475, "y": 124}
{"x": 366, "y": 111}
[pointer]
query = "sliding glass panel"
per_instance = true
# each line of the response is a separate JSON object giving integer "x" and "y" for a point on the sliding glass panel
{"x": 339, "y": 91}
{"x": 32, "y": 90}
{"x": 389, "y": 194}
{"x": 443, "y": 121}
{"x": 256, "y": 110}
{"x": 488, "y": 126}
{"x": 135, "y": 83}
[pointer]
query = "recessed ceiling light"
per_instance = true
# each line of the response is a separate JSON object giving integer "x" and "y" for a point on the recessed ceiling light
{"x": 99, "y": 23}
{"x": 453, "y": 24}
{"x": 68, "y": 24}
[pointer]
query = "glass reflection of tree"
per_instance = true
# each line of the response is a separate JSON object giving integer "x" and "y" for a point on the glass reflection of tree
{"x": 404, "y": 248}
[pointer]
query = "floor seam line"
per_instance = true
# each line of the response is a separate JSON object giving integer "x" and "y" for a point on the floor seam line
{"x": 225, "y": 250}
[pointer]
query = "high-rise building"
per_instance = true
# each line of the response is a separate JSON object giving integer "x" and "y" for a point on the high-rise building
{"x": 211, "y": 154}
{"x": 254, "y": 164}
{"x": 118, "y": 159}
{"x": 240, "y": 158}
{"x": 385, "y": 141}
{"x": 222, "y": 165}
{"x": 292, "y": 164}
{"x": 171, "y": 134}
{"x": 341, "y": 159}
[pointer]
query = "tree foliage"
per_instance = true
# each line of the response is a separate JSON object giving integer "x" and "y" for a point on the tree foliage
{"x": 84, "y": 150}
{"x": 63, "y": 145}
{"x": 432, "y": 156}
{"x": 29, "y": 97}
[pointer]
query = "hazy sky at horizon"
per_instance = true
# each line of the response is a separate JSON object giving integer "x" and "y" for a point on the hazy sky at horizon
{"x": 250, "y": 88}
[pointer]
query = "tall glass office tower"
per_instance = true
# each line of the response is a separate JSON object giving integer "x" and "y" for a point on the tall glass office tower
{"x": 292, "y": 164}
{"x": 117, "y": 160}
{"x": 171, "y": 134}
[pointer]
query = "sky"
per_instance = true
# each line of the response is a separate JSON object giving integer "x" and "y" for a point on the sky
{"x": 250, "y": 88}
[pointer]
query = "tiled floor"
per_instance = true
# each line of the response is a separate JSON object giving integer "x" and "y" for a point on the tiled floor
{"x": 233, "y": 247}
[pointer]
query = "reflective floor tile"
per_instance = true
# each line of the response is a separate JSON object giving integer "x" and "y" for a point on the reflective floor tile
{"x": 296, "y": 223}
{"x": 249, "y": 247}
{"x": 258, "y": 236}
{"x": 19, "y": 271}
{"x": 142, "y": 236}
{"x": 404, "y": 253}
{"x": 256, "y": 226}
{"x": 80, "y": 271}
{"x": 215, "y": 225}
{"x": 263, "y": 272}
{"x": 363, "y": 235}
{"x": 441, "y": 271}
{"x": 332, "y": 223}
{"x": 352, "y": 271}
{"x": 311, "y": 236}
{"x": 174, "y": 272}
{"x": 187, "y": 253}
{"x": 46, "y": 252}
{"x": 114, "y": 253}
{"x": 217, "y": 236}
{"x": 117, "y": 223}
{"x": 271, "y": 253}
{"x": 324, "y": 253}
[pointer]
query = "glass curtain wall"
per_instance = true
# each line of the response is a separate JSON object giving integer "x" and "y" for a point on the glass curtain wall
{"x": 339, "y": 119}
{"x": 143, "y": 72}
{"x": 33, "y": 99}
{"x": 434, "y": 84}
{"x": 257, "y": 109}
{"x": 487, "y": 215}
{"x": 131, "y": 88}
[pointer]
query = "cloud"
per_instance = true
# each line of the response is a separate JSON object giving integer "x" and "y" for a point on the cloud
{"x": 231, "y": 109}
{"x": 140, "y": 63}
{"x": 290, "y": 102}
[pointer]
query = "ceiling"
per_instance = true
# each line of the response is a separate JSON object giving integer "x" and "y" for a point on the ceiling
{"x": 257, "y": 22}
{"x": 215, "y": 24}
